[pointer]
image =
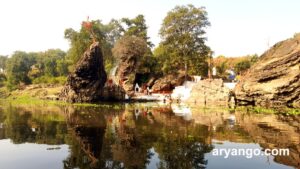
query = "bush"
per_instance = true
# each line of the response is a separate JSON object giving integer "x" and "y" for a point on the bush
{"x": 50, "y": 80}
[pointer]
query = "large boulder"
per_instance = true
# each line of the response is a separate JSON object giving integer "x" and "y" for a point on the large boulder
{"x": 210, "y": 92}
{"x": 126, "y": 73}
{"x": 86, "y": 83}
{"x": 275, "y": 79}
{"x": 128, "y": 50}
{"x": 169, "y": 82}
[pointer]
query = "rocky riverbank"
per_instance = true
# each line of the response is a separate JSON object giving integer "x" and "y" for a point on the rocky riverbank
{"x": 275, "y": 79}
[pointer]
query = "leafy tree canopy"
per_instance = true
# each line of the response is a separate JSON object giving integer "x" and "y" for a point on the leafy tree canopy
{"x": 183, "y": 40}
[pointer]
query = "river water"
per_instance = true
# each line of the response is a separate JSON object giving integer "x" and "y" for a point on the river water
{"x": 137, "y": 136}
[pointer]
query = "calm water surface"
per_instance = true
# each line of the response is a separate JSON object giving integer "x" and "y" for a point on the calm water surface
{"x": 138, "y": 136}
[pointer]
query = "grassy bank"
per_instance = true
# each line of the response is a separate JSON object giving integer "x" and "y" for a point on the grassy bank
{"x": 48, "y": 94}
{"x": 263, "y": 110}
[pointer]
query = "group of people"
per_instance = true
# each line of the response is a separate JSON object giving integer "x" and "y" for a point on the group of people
{"x": 138, "y": 89}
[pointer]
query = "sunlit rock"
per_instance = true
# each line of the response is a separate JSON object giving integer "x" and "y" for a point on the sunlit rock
{"x": 275, "y": 79}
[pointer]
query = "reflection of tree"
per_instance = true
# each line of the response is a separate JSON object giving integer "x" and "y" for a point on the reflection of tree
{"x": 25, "y": 126}
{"x": 18, "y": 129}
{"x": 132, "y": 139}
{"x": 105, "y": 138}
{"x": 182, "y": 153}
{"x": 127, "y": 145}
{"x": 111, "y": 138}
{"x": 88, "y": 144}
{"x": 86, "y": 147}
{"x": 182, "y": 147}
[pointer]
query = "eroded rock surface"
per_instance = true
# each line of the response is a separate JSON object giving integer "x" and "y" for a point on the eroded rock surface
{"x": 126, "y": 73}
{"x": 209, "y": 92}
{"x": 169, "y": 82}
{"x": 275, "y": 79}
{"x": 86, "y": 83}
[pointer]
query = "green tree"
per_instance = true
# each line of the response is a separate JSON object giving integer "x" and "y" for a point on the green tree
{"x": 242, "y": 66}
{"x": 50, "y": 67}
{"x": 81, "y": 40}
{"x": 106, "y": 34}
{"x": 221, "y": 69}
{"x": 137, "y": 27}
{"x": 113, "y": 31}
{"x": 3, "y": 60}
{"x": 62, "y": 67}
{"x": 18, "y": 67}
{"x": 183, "y": 40}
{"x": 51, "y": 57}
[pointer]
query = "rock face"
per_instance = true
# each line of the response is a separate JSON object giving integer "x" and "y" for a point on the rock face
{"x": 169, "y": 82}
{"x": 209, "y": 92}
{"x": 275, "y": 79}
{"x": 126, "y": 73}
{"x": 86, "y": 83}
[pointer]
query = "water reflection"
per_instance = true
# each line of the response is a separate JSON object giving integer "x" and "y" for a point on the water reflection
{"x": 149, "y": 135}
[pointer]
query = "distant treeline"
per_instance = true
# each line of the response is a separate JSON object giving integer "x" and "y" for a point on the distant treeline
{"x": 24, "y": 68}
{"x": 183, "y": 45}
{"x": 240, "y": 65}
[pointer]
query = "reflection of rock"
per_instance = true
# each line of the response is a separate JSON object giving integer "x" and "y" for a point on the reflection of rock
{"x": 87, "y": 81}
{"x": 113, "y": 92}
{"x": 90, "y": 140}
{"x": 275, "y": 78}
{"x": 82, "y": 116}
{"x": 209, "y": 92}
{"x": 274, "y": 131}
{"x": 268, "y": 130}
{"x": 169, "y": 82}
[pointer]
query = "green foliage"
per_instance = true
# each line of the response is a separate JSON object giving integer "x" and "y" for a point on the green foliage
{"x": 264, "y": 110}
{"x": 105, "y": 34}
{"x": 130, "y": 46}
{"x": 18, "y": 67}
{"x": 108, "y": 35}
{"x": 62, "y": 67}
{"x": 242, "y": 66}
{"x": 221, "y": 69}
{"x": 3, "y": 60}
{"x": 183, "y": 40}
{"x": 137, "y": 27}
{"x": 50, "y": 80}
{"x": 148, "y": 63}
{"x": 81, "y": 40}
{"x": 23, "y": 68}
{"x": 2, "y": 79}
{"x": 50, "y": 67}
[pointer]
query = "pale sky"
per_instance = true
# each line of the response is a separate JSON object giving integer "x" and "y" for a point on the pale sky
{"x": 238, "y": 27}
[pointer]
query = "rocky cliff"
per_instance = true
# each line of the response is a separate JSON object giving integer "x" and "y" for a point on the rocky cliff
{"x": 86, "y": 83}
{"x": 275, "y": 79}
